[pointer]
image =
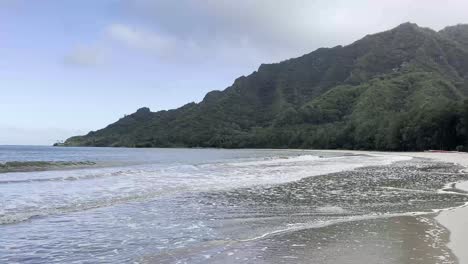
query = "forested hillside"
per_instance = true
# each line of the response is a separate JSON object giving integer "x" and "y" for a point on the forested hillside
{"x": 402, "y": 89}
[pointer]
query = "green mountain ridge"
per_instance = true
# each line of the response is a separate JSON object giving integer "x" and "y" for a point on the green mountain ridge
{"x": 402, "y": 89}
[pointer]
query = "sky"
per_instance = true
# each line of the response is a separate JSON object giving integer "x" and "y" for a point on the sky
{"x": 69, "y": 67}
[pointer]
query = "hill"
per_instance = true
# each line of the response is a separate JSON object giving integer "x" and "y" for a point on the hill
{"x": 402, "y": 89}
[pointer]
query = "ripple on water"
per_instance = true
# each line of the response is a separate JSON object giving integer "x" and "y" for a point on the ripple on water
{"x": 209, "y": 221}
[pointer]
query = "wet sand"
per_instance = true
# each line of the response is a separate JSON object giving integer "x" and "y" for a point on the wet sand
{"x": 438, "y": 238}
{"x": 396, "y": 240}
{"x": 456, "y": 219}
{"x": 419, "y": 238}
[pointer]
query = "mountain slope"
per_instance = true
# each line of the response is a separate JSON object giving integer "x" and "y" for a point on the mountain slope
{"x": 399, "y": 89}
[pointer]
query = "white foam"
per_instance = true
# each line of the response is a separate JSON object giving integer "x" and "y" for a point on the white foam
{"x": 462, "y": 186}
{"x": 321, "y": 224}
{"x": 447, "y": 190}
{"x": 44, "y": 193}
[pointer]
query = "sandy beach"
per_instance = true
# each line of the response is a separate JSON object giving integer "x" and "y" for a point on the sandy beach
{"x": 256, "y": 206}
{"x": 455, "y": 219}
{"x": 417, "y": 237}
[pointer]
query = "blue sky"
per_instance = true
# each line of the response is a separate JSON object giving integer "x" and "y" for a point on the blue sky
{"x": 68, "y": 67}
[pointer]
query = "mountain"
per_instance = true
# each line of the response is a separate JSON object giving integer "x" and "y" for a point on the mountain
{"x": 402, "y": 89}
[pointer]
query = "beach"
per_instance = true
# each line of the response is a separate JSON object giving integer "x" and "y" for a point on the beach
{"x": 437, "y": 236}
{"x": 394, "y": 240}
{"x": 455, "y": 220}
{"x": 232, "y": 206}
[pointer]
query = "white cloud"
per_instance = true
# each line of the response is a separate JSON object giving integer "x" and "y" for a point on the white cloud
{"x": 85, "y": 56}
{"x": 250, "y": 32}
{"x": 280, "y": 29}
{"x": 141, "y": 39}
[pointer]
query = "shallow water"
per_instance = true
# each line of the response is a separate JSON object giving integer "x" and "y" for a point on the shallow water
{"x": 139, "y": 205}
{"x": 395, "y": 240}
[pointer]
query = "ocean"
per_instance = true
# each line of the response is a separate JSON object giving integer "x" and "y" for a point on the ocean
{"x": 120, "y": 205}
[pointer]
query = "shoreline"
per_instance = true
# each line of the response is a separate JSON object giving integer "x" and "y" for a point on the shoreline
{"x": 390, "y": 239}
{"x": 455, "y": 220}
{"x": 387, "y": 240}
{"x": 342, "y": 217}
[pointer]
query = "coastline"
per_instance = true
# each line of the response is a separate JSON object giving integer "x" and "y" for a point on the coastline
{"x": 455, "y": 220}
{"x": 392, "y": 239}
{"x": 384, "y": 211}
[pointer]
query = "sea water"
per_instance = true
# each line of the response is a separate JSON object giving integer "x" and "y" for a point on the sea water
{"x": 170, "y": 205}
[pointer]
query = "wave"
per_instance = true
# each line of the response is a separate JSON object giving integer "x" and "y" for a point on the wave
{"x": 449, "y": 188}
{"x": 132, "y": 171}
{"x": 353, "y": 218}
{"x": 71, "y": 178}
{"x": 320, "y": 224}
{"x": 169, "y": 179}
{"x": 150, "y": 169}
{"x": 25, "y": 166}
{"x": 277, "y": 160}
{"x": 17, "y": 217}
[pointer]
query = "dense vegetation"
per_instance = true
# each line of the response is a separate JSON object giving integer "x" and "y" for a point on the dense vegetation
{"x": 402, "y": 89}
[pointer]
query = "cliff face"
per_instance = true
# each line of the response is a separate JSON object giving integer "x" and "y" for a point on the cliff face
{"x": 399, "y": 89}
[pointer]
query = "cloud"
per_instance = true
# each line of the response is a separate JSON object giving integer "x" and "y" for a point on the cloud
{"x": 220, "y": 27}
{"x": 280, "y": 29}
{"x": 252, "y": 32}
{"x": 141, "y": 39}
{"x": 180, "y": 48}
{"x": 85, "y": 56}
